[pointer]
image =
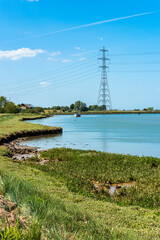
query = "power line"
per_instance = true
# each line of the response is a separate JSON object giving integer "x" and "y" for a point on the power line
{"x": 70, "y": 71}
{"x": 58, "y": 70}
{"x": 54, "y": 74}
{"x": 57, "y": 79}
{"x": 137, "y": 71}
{"x": 65, "y": 83}
{"x": 128, "y": 63}
{"x": 136, "y": 54}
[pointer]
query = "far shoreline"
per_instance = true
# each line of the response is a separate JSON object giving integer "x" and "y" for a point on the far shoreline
{"x": 107, "y": 112}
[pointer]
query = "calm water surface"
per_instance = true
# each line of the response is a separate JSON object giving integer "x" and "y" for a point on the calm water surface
{"x": 126, "y": 133}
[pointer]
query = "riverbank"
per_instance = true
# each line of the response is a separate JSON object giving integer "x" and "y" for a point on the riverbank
{"x": 12, "y": 126}
{"x": 106, "y": 112}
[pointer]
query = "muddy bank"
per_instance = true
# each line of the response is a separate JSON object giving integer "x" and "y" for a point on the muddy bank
{"x": 23, "y": 153}
{"x": 35, "y": 118}
{"x": 17, "y": 149}
{"x": 16, "y": 135}
{"x": 31, "y": 133}
{"x": 12, "y": 140}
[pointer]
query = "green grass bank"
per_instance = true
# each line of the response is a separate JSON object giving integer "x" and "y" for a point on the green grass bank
{"x": 13, "y": 126}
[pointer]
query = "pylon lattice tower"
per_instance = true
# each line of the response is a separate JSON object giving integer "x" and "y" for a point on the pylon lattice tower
{"x": 104, "y": 97}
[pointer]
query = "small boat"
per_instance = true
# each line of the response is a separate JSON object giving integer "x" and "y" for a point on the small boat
{"x": 77, "y": 115}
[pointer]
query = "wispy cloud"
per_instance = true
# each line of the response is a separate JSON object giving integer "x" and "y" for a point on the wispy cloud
{"x": 55, "y": 53}
{"x": 90, "y": 24}
{"x": 66, "y": 60}
{"x": 32, "y": 0}
{"x": 77, "y": 48}
{"x": 52, "y": 59}
{"x": 45, "y": 84}
{"x": 83, "y": 53}
{"x": 82, "y": 59}
{"x": 20, "y": 53}
{"x": 100, "y": 38}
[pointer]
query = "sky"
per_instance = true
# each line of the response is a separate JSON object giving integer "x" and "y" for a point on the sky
{"x": 49, "y": 51}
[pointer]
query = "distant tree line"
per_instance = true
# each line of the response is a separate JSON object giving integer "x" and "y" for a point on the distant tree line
{"x": 79, "y": 106}
{"x": 10, "y": 107}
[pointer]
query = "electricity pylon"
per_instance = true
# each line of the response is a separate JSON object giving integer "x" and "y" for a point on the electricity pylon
{"x": 104, "y": 97}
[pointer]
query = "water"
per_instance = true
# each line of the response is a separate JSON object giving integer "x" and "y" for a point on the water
{"x": 122, "y": 133}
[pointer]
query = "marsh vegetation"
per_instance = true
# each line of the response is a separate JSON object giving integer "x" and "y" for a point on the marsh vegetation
{"x": 59, "y": 200}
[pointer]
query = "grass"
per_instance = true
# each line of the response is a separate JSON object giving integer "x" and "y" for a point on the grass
{"x": 60, "y": 213}
{"x": 10, "y": 123}
{"x": 58, "y": 200}
{"x": 77, "y": 169}
{"x": 11, "y": 233}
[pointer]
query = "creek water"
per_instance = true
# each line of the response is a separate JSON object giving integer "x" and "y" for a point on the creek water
{"x": 117, "y": 133}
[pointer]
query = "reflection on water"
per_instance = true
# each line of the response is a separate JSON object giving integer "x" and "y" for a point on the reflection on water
{"x": 126, "y": 133}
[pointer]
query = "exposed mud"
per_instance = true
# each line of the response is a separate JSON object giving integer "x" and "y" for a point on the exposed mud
{"x": 111, "y": 188}
{"x": 16, "y": 135}
{"x": 34, "y": 118}
{"x": 22, "y": 153}
{"x": 7, "y": 212}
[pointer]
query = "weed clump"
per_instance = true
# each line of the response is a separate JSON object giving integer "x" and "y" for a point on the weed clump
{"x": 2, "y": 187}
{"x": 11, "y": 233}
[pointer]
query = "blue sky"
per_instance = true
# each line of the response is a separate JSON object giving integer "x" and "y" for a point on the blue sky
{"x": 44, "y": 66}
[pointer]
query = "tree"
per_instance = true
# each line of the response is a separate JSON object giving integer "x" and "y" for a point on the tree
{"x": 95, "y": 107}
{"x": 77, "y": 105}
{"x": 83, "y": 107}
{"x": 90, "y": 107}
{"x": 65, "y": 108}
{"x": 10, "y": 107}
{"x": 80, "y": 106}
{"x": 150, "y": 109}
{"x": 102, "y": 108}
{"x": 3, "y": 102}
{"x": 57, "y": 108}
{"x": 38, "y": 110}
{"x": 72, "y": 106}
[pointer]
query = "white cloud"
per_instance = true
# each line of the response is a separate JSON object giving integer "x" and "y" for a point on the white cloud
{"x": 100, "y": 38}
{"x": 77, "y": 48}
{"x": 66, "y": 60}
{"x": 45, "y": 84}
{"x": 52, "y": 59}
{"x": 82, "y": 59}
{"x": 20, "y": 53}
{"x": 56, "y": 53}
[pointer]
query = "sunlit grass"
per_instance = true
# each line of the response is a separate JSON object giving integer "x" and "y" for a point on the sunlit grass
{"x": 59, "y": 213}
{"x": 12, "y": 124}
